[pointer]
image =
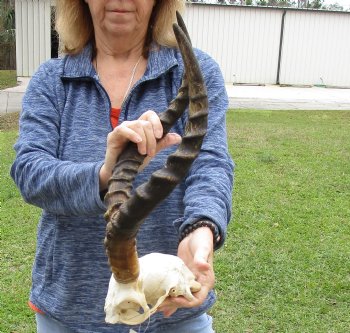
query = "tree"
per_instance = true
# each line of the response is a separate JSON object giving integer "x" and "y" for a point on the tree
{"x": 7, "y": 20}
{"x": 276, "y": 3}
{"x": 315, "y": 4}
{"x": 335, "y": 6}
{"x": 7, "y": 35}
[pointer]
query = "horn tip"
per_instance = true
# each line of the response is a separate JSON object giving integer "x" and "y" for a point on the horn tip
{"x": 178, "y": 16}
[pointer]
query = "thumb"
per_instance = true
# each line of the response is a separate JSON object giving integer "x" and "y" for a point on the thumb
{"x": 202, "y": 257}
{"x": 168, "y": 140}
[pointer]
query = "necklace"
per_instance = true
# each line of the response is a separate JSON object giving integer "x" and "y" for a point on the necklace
{"x": 131, "y": 78}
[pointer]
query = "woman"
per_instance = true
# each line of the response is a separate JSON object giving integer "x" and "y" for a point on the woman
{"x": 78, "y": 114}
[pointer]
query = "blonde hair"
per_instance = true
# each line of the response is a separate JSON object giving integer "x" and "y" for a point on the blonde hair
{"x": 75, "y": 28}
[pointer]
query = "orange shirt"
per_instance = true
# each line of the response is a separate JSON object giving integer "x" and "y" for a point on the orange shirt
{"x": 34, "y": 308}
{"x": 115, "y": 113}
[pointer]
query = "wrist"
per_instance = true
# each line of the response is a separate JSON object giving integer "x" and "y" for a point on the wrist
{"x": 104, "y": 178}
{"x": 201, "y": 224}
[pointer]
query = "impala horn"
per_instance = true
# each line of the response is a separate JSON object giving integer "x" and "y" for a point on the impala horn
{"x": 127, "y": 211}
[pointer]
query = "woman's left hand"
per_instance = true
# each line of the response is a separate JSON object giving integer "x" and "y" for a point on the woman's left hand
{"x": 196, "y": 250}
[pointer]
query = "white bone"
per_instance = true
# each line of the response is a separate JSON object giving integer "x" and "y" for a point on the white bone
{"x": 161, "y": 275}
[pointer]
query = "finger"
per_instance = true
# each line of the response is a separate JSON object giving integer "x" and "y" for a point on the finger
{"x": 122, "y": 134}
{"x": 182, "y": 302}
{"x": 153, "y": 118}
{"x": 138, "y": 127}
{"x": 167, "y": 310}
{"x": 116, "y": 141}
{"x": 151, "y": 141}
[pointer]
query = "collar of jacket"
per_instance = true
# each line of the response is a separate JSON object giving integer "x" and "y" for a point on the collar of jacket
{"x": 160, "y": 60}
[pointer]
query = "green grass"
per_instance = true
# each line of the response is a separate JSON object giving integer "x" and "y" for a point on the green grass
{"x": 17, "y": 236}
{"x": 8, "y": 79}
{"x": 285, "y": 266}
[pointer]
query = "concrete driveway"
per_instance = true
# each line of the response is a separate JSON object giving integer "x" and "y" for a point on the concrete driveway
{"x": 288, "y": 98}
{"x": 11, "y": 98}
{"x": 240, "y": 97}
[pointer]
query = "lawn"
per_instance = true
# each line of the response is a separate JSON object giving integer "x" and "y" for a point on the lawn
{"x": 286, "y": 264}
{"x": 8, "y": 79}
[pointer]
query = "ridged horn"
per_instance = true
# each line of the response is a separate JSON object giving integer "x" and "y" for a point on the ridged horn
{"x": 125, "y": 171}
{"x": 126, "y": 212}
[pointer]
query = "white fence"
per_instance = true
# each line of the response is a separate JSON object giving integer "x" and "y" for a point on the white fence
{"x": 33, "y": 34}
{"x": 316, "y": 49}
{"x": 254, "y": 45}
{"x": 246, "y": 42}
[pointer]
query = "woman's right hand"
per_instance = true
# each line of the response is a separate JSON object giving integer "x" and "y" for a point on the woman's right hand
{"x": 145, "y": 132}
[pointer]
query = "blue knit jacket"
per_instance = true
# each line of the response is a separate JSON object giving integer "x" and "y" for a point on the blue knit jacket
{"x": 60, "y": 150}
